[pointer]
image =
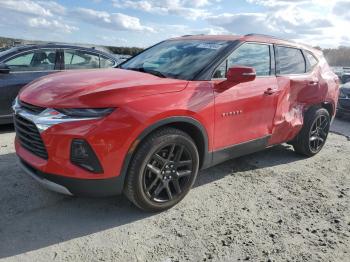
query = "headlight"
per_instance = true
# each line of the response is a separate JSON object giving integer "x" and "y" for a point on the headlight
{"x": 85, "y": 112}
{"x": 341, "y": 94}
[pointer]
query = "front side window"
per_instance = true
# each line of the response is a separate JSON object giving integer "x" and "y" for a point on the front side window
{"x": 249, "y": 54}
{"x": 290, "y": 61}
{"x": 38, "y": 60}
{"x": 181, "y": 59}
{"x": 76, "y": 59}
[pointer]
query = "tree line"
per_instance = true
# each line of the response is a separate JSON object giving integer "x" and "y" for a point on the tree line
{"x": 337, "y": 57}
{"x": 124, "y": 50}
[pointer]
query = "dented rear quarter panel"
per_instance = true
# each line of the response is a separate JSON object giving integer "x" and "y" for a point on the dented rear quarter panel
{"x": 297, "y": 93}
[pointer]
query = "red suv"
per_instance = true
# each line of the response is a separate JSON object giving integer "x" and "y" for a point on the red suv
{"x": 184, "y": 104}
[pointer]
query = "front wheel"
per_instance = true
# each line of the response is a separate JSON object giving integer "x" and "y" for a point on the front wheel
{"x": 313, "y": 135}
{"x": 162, "y": 170}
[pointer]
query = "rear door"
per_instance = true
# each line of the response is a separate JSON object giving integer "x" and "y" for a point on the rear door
{"x": 297, "y": 86}
{"x": 24, "y": 68}
{"x": 245, "y": 111}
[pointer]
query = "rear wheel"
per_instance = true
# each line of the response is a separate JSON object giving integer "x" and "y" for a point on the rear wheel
{"x": 313, "y": 135}
{"x": 162, "y": 170}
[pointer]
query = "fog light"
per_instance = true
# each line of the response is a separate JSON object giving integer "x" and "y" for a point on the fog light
{"x": 82, "y": 155}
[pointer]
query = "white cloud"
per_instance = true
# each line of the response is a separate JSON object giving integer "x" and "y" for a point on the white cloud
{"x": 31, "y": 15}
{"x": 283, "y": 3}
{"x": 53, "y": 7}
{"x": 301, "y": 20}
{"x": 317, "y": 22}
{"x": 43, "y": 23}
{"x": 241, "y": 23}
{"x": 189, "y": 9}
{"x": 114, "y": 21}
{"x": 342, "y": 8}
{"x": 25, "y": 7}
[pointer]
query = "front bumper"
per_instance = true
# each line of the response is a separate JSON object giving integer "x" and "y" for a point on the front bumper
{"x": 74, "y": 186}
{"x": 110, "y": 140}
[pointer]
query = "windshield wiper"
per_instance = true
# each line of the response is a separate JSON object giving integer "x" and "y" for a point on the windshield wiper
{"x": 147, "y": 71}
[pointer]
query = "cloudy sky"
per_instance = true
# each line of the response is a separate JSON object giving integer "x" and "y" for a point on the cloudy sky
{"x": 144, "y": 22}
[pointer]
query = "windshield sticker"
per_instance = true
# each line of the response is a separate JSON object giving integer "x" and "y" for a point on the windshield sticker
{"x": 209, "y": 46}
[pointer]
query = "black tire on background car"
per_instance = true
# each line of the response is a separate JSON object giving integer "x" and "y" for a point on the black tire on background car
{"x": 313, "y": 135}
{"x": 162, "y": 170}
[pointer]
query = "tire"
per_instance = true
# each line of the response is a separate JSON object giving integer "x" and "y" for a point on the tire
{"x": 164, "y": 157}
{"x": 313, "y": 135}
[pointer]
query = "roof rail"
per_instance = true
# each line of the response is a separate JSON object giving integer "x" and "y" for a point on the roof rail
{"x": 271, "y": 36}
{"x": 191, "y": 35}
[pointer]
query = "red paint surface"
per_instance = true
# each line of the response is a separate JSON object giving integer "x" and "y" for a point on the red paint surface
{"x": 231, "y": 113}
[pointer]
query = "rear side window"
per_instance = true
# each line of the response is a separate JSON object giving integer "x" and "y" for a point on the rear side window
{"x": 311, "y": 61}
{"x": 76, "y": 59}
{"x": 105, "y": 62}
{"x": 290, "y": 61}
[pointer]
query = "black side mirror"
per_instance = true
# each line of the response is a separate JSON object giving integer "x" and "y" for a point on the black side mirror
{"x": 4, "y": 69}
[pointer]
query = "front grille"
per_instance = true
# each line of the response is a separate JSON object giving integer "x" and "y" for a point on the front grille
{"x": 31, "y": 108}
{"x": 29, "y": 137}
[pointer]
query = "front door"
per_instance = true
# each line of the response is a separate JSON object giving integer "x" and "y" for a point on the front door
{"x": 244, "y": 112}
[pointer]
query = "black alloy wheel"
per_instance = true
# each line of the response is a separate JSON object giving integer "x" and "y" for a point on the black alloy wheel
{"x": 167, "y": 173}
{"x": 313, "y": 135}
{"x": 318, "y": 133}
{"x": 163, "y": 170}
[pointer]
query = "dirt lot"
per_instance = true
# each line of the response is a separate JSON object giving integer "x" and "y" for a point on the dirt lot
{"x": 270, "y": 206}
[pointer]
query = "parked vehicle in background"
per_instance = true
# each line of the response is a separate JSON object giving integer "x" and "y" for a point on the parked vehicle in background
{"x": 338, "y": 70}
{"x": 344, "y": 100}
{"x": 22, "y": 64}
{"x": 345, "y": 78}
{"x": 182, "y": 105}
{"x": 122, "y": 58}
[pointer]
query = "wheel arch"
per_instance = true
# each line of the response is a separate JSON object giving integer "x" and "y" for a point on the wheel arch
{"x": 329, "y": 107}
{"x": 188, "y": 125}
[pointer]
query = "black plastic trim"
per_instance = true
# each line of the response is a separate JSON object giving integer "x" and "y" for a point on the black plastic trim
{"x": 238, "y": 150}
{"x": 82, "y": 187}
{"x": 92, "y": 163}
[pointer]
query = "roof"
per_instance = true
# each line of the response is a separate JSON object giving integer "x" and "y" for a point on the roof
{"x": 250, "y": 38}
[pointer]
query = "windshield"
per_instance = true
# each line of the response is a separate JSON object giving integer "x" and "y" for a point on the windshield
{"x": 181, "y": 59}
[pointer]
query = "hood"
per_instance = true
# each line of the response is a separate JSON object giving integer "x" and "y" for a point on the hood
{"x": 95, "y": 88}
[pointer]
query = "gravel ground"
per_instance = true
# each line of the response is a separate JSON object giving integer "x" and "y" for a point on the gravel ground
{"x": 270, "y": 206}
